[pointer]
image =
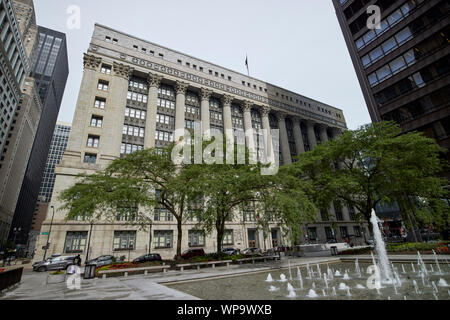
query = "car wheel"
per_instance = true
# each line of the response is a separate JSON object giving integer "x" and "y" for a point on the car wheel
{"x": 42, "y": 269}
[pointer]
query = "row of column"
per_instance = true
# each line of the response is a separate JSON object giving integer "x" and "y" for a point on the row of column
{"x": 154, "y": 82}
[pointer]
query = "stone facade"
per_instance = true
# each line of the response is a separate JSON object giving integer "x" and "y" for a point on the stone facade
{"x": 133, "y": 86}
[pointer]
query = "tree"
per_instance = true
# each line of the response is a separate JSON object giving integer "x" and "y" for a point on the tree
{"x": 145, "y": 179}
{"x": 377, "y": 164}
{"x": 226, "y": 189}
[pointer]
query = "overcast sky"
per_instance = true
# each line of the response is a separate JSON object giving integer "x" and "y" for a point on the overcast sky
{"x": 295, "y": 44}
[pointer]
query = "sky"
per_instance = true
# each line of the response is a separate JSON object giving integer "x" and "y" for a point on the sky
{"x": 295, "y": 44}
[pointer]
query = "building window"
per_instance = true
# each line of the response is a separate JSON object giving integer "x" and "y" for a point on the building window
{"x": 249, "y": 212}
{"x": 329, "y": 233}
{"x": 135, "y": 113}
{"x": 93, "y": 141}
{"x": 163, "y": 239}
{"x": 338, "y": 212}
{"x": 99, "y": 103}
{"x": 312, "y": 234}
{"x": 103, "y": 85}
{"x": 357, "y": 231}
{"x": 196, "y": 238}
{"x": 96, "y": 121}
{"x": 75, "y": 242}
{"x": 228, "y": 238}
{"x": 344, "y": 232}
{"x": 126, "y": 213}
{"x": 352, "y": 213}
{"x": 124, "y": 240}
{"x": 106, "y": 69}
{"x": 90, "y": 158}
{"x": 162, "y": 214}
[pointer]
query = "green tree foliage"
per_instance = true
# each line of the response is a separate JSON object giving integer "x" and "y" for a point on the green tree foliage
{"x": 128, "y": 183}
{"x": 377, "y": 164}
{"x": 227, "y": 189}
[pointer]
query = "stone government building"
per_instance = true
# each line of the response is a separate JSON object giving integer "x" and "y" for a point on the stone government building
{"x": 134, "y": 94}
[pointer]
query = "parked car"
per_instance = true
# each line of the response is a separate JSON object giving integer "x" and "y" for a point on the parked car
{"x": 190, "y": 253}
{"x": 251, "y": 251}
{"x": 230, "y": 251}
{"x": 147, "y": 258}
{"x": 54, "y": 263}
{"x": 102, "y": 261}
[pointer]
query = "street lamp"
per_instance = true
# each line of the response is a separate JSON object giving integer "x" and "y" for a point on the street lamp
{"x": 48, "y": 236}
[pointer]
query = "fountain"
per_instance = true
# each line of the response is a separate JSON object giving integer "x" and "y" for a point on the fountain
{"x": 421, "y": 264}
{"x": 283, "y": 278}
{"x": 435, "y": 296}
{"x": 346, "y": 277}
{"x": 324, "y": 293}
{"x": 299, "y": 275}
{"x": 343, "y": 286}
{"x": 348, "y": 292}
{"x": 403, "y": 269}
{"x": 337, "y": 274}
{"x": 325, "y": 279}
{"x": 272, "y": 289}
{"x": 412, "y": 267}
{"x": 416, "y": 287}
{"x": 435, "y": 289}
{"x": 290, "y": 273}
{"x": 290, "y": 287}
{"x": 360, "y": 286}
{"x": 380, "y": 247}
{"x": 292, "y": 294}
{"x": 334, "y": 291}
{"x": 269, "y": 278}
{"x": 442, "y": 283}
{"x": 313, "y": 285}
{"x": 437, "y": 262}
{"x": 319, "y": 272}
{"x": 357, "y": 269}
{"x": 312, "y": 294}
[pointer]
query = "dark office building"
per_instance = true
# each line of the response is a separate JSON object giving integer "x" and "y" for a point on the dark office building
{"x": 403, "y": 68}
{"x": 50, "y": 71}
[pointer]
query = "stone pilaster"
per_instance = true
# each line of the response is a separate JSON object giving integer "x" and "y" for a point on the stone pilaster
{"x": 85, "y": 102}
{"x": 227, "y": 121}
{"x": 248, "y": 127}
{"x": 323, "y": 133}
{"x": 154, "y": 82}
{"x": 299, "y": 143}
{"x": 111, "y": 138}
{"x": 180, "y": 90}
{"x": 311, "y": 135}
{"x": 205, "y": 115}
{"x": 265, "y": 111}
{"x": 285, "y": 150}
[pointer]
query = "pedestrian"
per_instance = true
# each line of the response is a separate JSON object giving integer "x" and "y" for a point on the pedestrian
{"x": 77, "y": 260}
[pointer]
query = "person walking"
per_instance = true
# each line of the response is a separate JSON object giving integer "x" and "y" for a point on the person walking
{"x": 77, "y": 260}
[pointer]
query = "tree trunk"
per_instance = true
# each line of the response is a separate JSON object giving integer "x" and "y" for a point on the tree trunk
{"x": 179, "y": 237}
{"x": 220, "y": 226}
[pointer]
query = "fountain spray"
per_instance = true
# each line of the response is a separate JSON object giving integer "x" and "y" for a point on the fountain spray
{"x": 299, "y": 274}
{"x": 380, "y": 247}
{"x": 437, "y": 262}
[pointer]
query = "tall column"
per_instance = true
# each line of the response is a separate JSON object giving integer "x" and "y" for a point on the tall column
{"x": 227, "y": 122}
{"x": 299, "y": 144}
{"x": 311, "y": 135}
{"x": 248, "y": 127}
{"x": 111, "y": 137}
{"x": 205, "y": 95}
{"x": 154, "y": 82}
{"x": 180, "y": 89}
{"x": 265, "y": 111}
{"x": 336, "y": 132}
{"x": 323, "y": 133}
{"x": 285, "y": 150}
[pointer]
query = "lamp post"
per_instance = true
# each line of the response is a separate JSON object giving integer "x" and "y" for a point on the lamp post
{"x": 48, "y": 236}
{"x": 89, "y": 244}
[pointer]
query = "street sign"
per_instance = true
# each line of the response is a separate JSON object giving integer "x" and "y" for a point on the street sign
{"x": 44, "y": 233}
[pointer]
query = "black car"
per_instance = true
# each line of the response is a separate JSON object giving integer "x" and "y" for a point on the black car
{"x": 230, "y": 251}
{"x": 147, "y": 258}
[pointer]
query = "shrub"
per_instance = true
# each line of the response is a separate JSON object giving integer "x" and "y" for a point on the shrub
{"x": 356, "y": 251}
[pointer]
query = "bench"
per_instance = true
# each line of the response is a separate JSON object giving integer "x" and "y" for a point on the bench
{"x": 126, "y": 271}
{"x": 199, "y": 264}
{"x": 253, "y": 259}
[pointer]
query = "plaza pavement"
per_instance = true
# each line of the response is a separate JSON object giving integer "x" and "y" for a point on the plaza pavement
{"x": 151, "y": 287}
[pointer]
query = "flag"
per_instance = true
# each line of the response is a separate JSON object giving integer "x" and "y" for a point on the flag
{"x": 246, "y": 64}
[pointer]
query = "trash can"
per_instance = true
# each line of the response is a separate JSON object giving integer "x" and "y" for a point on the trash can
{"x": 89, "y": 271}
{"x": 334, "y": 251}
